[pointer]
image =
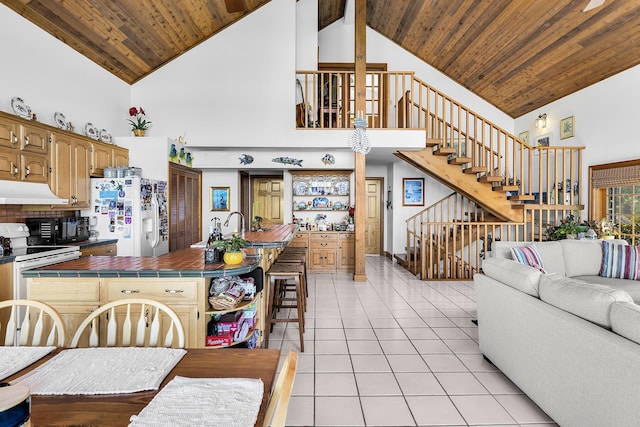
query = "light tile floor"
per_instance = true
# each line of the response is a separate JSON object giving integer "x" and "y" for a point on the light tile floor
{"x": 396, "y": 351}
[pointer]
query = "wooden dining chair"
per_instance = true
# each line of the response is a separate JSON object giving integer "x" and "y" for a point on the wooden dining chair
{"x": 276, "y": 414}
{"x": 39, "y": 319}
{"x": 134, "y": 322}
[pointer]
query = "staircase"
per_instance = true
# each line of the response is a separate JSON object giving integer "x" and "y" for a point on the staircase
{"x": 520, "y": 189}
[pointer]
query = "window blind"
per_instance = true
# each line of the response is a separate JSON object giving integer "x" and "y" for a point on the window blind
{"x": 615, "y": 177}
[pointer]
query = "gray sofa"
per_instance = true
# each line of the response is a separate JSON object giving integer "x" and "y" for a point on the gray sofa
{"x": 569, "y": 339}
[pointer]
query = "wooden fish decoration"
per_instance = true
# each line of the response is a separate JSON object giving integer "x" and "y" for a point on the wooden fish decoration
{"x": 287, "y": 161}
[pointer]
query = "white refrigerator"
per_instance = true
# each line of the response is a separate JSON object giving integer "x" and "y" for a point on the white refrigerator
{"x": 132, "y": 210}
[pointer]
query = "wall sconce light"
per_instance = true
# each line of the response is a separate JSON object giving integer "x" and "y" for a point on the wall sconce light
{"x": 541, "y": 121}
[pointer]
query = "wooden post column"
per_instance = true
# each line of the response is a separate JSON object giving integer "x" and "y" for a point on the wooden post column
{"x": 359, "y": 274}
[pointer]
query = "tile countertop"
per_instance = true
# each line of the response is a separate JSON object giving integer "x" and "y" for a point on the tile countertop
{"x": 184, "y": 263}
{"x": 274, "y": 236}
{"x": 83, "y": 244}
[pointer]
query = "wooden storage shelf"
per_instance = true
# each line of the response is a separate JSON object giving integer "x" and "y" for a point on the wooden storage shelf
{"x": 242, "y": 305}
{"x": 236, "y": 343}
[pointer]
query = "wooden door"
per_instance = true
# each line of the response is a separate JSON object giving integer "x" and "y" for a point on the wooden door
{"x": 268, "y": 200}
{"x": 373, "y": 226}
{"x": 185, "y": 211}
{"x": 100, "y": 158}
{"x": 9, "y": 164}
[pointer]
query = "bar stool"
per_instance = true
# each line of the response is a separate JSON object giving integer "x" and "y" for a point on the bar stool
{"x": 277, "y": 273}
{"x": 301, "y": 259}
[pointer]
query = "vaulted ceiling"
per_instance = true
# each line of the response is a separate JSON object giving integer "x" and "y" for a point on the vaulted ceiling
{"x": 516, "y": 54}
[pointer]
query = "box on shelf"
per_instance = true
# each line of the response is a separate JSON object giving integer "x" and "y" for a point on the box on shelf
{"x": 219, "y": 340}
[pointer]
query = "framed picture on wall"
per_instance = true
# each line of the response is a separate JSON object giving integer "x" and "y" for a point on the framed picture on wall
{"x": 544, "y": 140}
{"x": 219, "y": 198}
{"x": 524, "y": 136}
{"x": 412, "y": 191}
{"x": 566, "y": 128}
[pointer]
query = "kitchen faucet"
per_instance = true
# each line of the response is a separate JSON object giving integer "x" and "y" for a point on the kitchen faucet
{"x": 226, "y": 223}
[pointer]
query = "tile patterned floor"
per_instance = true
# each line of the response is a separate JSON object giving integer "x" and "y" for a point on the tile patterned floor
{"x": 396, "y": 351}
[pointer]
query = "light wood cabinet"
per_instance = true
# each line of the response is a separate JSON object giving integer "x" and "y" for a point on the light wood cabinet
{"x": 101, "y": 157}
{"x": 106, "y": 155}
{"x": 110, "y": 249}
{"x": 323, "y": 251}
{"x": 74, "y": 299}
{"x": 24, "y": 150}
{"x": 182, "y": 295}
{"x": 120, "y": 156}
{"x": 70, "y": 164}
{"x": 346, "y": 250}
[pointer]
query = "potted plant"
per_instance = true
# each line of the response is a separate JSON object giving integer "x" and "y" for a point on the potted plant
{"x": 140, "y": 124}
{"x": 232, "y": 248}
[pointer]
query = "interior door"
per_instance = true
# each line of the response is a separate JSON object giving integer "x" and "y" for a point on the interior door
{"x": 373, "y": 225}
{"x": 268, "y": 203}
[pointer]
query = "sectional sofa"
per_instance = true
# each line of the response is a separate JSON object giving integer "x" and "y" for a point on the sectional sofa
{"x": 568, "y": 338}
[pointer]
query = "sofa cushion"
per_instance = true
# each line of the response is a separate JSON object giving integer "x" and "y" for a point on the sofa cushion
{"x": 581, "y": 257}
{"x": 625, "y": 320}
{"x": 587, "y": 300}
{"x": 550, "y": 253}
{"x": 518, "y": 276}
{"x": 528, "y": 255}
{"x": 620, "y": 261}
{"x": 631, "y": 287}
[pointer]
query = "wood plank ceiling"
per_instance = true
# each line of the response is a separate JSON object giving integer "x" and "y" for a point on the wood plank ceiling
{"x": 516, "y": 54}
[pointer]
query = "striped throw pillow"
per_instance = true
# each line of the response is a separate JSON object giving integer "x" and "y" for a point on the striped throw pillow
{"x": 528, "y": 255}
{"x": 620, "y": 261}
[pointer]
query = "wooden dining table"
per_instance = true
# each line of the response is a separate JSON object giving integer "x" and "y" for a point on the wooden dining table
{"x": 116, "y": 409}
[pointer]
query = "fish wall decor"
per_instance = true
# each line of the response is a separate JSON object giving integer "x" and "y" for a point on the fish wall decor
{"x": 287, "y": 161}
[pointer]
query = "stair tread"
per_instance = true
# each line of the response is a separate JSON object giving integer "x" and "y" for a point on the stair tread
{"x": 521, "y": 197}
{"x": 444, "y": 151}
{"x": 459, "y": 160}
{"x": 474, "y": 169}
{"x": 432, "y": 142}
{"x": 489, "y": 178}
{"x": 505, "y": 188}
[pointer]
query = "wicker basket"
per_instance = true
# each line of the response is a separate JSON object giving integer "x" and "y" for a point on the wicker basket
{"x": 227, "y": 300}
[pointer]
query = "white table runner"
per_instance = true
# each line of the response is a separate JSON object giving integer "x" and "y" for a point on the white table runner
{"x": 102, "y": 370}
{"x": 224, "y": 402}
{"x": 13, "y": 359}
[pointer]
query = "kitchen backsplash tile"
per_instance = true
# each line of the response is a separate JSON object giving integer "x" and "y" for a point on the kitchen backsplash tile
{"x": 14, "y": 213}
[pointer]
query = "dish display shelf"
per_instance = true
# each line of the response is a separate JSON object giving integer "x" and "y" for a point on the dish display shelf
{"x": 321, "y": 191}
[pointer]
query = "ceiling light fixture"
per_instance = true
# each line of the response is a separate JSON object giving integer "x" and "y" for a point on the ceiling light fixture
{"x": 541, "y": 121}
{"x": 358, "y": 140}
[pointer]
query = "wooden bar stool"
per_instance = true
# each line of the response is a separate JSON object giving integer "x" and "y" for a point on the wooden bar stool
{"x": 286, "y": 286}
{"x": 278, "y": 273}
{"x": 296, "y": 257}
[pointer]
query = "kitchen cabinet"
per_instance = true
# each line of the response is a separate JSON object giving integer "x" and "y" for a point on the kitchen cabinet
{"x": 182, "y": 295}
{"x": 110, "y": 249}
{"x": 105, "y": 155}
{"x": 74, "y": 300}
{"x": 70, "y": 166}
{"x": 323, "y": 251}
{"x": 346, "y": 250}
{"x": 24, "y": 149}
{"x": 120, "y": 156}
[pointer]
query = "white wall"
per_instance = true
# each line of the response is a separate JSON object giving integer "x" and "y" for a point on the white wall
{"x": 604, "y": 114}
{"x": 222, "y": 178}
{"x": 307, "y": 35}
{"x": 50, "y": 76}
{"x": 433, "y": 191}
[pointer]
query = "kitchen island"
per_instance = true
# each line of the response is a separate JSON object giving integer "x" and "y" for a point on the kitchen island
{"x": 179, "y": 279}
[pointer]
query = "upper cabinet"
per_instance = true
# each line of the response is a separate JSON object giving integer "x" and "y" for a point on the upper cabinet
{"x": 36, "y": 152}
{"x": 107, "y": 155}
{"x": 321, "y": 190}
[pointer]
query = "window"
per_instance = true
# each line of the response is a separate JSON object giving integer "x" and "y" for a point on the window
{"x": 615, "y": 195}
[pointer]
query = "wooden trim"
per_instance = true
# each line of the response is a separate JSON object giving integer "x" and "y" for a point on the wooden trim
{"x": 350, "y": 66}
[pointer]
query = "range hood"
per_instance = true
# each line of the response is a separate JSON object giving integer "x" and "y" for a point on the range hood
{"x": 28, "y": 193}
